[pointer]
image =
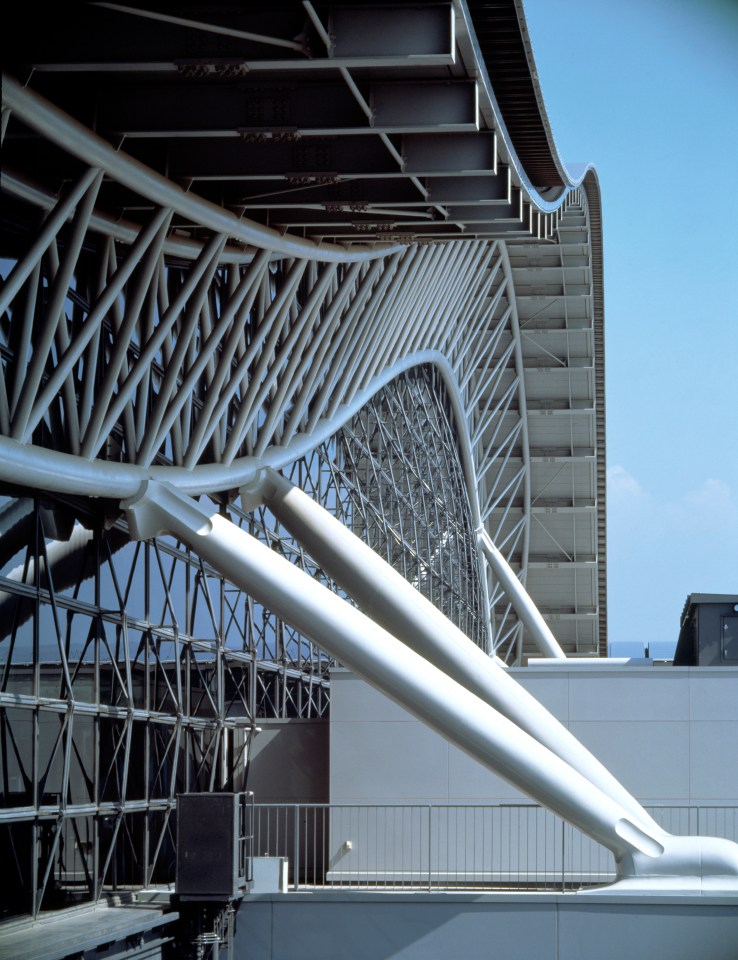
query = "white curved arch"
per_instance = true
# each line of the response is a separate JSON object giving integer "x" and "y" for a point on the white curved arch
{"x": 192, "y": 391}
{"x": 242, "y": 364}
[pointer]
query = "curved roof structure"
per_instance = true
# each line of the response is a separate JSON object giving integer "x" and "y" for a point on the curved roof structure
{"x": 340, "y": 134}
{"x": 333, "y": 239}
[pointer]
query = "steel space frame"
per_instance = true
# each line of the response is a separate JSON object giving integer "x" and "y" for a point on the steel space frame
{"x": 175, "y": 340}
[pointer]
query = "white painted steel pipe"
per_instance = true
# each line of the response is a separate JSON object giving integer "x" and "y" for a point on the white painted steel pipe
{"x": 124, "y": 231}
{"x": 538, "y": 628}
{"x": 383, "y": 661}
{"x": 526, "y": 610}
{"x": 62, "y": 210}
{"x": 58, "y": 472}
{"x": 647, "y": 859}
{"x": 386, "y": 597}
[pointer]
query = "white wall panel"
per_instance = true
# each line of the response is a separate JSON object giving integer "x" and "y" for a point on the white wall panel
{"x": 653, "y": 727}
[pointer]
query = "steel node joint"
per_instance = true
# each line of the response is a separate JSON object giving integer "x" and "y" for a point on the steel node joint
{"x": 159, "y": 508}
{"x": 256, "y": 490}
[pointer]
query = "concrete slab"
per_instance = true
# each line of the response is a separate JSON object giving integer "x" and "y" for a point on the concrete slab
{"x": 334, "y": 925}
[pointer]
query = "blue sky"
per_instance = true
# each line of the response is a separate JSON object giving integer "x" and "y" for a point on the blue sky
{"x": 648, "y": 91}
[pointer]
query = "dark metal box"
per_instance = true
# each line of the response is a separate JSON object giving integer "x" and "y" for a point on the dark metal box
{"x": 208, "y": 846}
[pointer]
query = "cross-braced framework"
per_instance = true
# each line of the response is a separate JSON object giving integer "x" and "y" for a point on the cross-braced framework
{"x": 164, "y": 660}
{"x": 139, "y": 357}
{"x": 403, "y": 477}
{"x": 442, "y": 380}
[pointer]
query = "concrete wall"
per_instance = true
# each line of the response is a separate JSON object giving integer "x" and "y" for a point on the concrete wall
{"x": 670, "y": 734}
{"x": 289, "y": 762}
{"x": 355, "y": 926}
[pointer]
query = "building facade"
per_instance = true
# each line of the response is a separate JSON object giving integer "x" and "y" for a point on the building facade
{"x": 331, "y": 240}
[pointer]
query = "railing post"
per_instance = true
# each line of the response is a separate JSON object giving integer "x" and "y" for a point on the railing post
{"x": 296, "y": 848}
{"x": 563, "y": 854}
{"x": 430, "y": 844}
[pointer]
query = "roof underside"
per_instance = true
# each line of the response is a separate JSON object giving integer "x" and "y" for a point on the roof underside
{"x": 346, "y": 122}
{"x": 358, "y": 123}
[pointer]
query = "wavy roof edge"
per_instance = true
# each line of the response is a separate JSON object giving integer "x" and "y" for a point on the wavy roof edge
{"x": 505, "y": 48}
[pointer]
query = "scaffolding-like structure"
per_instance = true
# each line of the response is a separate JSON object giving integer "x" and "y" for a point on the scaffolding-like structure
{"x": 335, "y": 240}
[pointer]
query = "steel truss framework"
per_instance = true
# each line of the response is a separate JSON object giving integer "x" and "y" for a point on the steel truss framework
{"x": 422, "y": 390}
{"x": 165, "y": 661}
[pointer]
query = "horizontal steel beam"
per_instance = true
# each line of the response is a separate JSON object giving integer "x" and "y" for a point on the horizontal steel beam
{"x": 547, "y": 564}
{"x": 193, "y": 159}
{"x": 460, "y": 154}
{"x": 266, "y": 194}
{"x": 472, "y": 189}
{"x": 274, "y": 110}
{"x": 412, "y": 31}
{"x": 423, "y": 155}
{"x": 365, "y": 37}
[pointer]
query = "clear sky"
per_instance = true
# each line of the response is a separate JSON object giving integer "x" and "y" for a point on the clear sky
{"x": 648, "y": 91}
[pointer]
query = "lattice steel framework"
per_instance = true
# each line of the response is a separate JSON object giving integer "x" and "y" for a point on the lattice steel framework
{"x": 167, "y": 666}
{"x": 444, "y": 379}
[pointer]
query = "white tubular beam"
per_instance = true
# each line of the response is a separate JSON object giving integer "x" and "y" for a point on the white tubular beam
{"x": 403, "y": 675}
{"x": 526, "y": 610}
{"x": 210, "y": 418}
{"x": 386, "y": 597}
{"x": 643, "y": 855}
{"x": 62, "y": 210}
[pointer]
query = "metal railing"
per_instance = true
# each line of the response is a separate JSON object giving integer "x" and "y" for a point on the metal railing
{"x": 246, "y": 821}
{"x": 438, "y": 847}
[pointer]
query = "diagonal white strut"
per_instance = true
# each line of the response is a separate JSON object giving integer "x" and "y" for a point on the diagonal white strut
{"x": 385, "y": 596}
{"x": 426, "y": 691}
{"x": 528, "y": 613}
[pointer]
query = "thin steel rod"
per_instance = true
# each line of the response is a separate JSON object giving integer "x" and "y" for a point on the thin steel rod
{"x": 335, "y": 360}
{"x": 523, "y": 412}
{"x": 62, "y": 210}
{"x": 91, "y": 357}
{"x": 268, "y": 333}
{"x": 318, "y": 24}
{"x": 483, "y": 366}
{"x": 203, "y": 27}
{"x": 271, "y": 331}
{"x": 135, "y": 296}
{"x": 4, "y": 123}
{"x": 314, "y": 364}
{"x": 68, "y": 392}
{"x": 161, "y": 410}
{"x": 242, "y": 300}
{"x": 486, "y": 413}
{"x": 293, "y": 348}
{"x": 200, "y": 273}
{"x": 23, "y": 414}
{"x": 67, "y": 362}
{"x": 185, "y": 389}
{"x": 25, "y": 334}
